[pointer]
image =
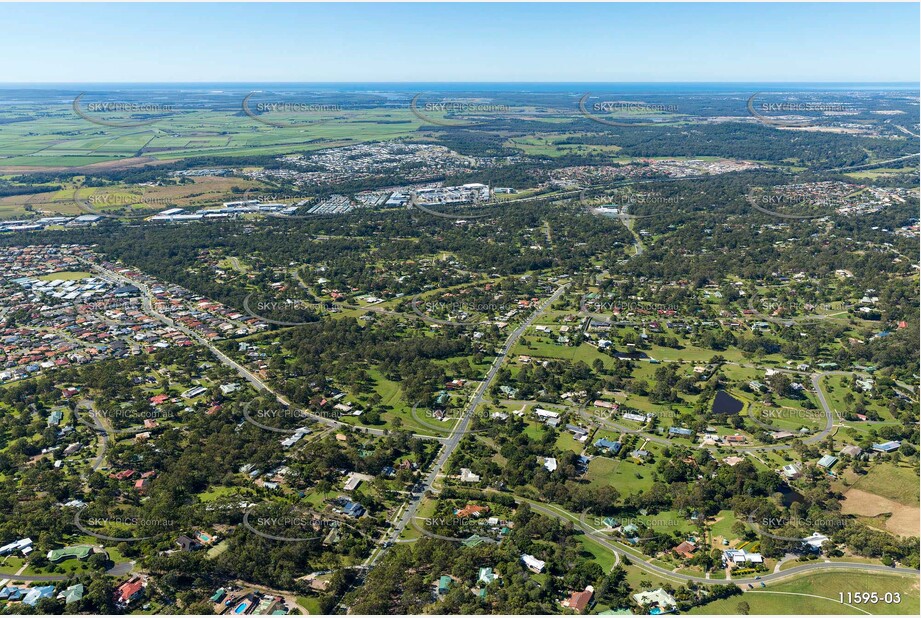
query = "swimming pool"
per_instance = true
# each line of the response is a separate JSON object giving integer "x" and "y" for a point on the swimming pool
{"x": 241, "y": 608}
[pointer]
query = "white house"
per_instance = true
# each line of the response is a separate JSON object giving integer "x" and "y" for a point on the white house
{"x": 656, "y": 597}
{"x": 533, "y": 563}
{"x": 815, "y": 540}
{"x": 466, "y": 476}
{"x": 546, "y": 415}
{"x": 740, "y": 556}
{"x": 23, "y": 545}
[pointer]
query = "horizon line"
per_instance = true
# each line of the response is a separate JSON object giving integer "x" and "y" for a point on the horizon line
{"x": 421, "y": 81}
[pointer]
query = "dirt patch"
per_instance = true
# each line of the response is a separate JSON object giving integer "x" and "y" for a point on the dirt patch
{"x": 903, "y": 520}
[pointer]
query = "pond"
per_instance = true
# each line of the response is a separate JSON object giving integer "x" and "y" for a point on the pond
{"x": 724, "y": 403}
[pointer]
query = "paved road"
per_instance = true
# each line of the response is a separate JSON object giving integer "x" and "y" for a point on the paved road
{"x": 877, "y": 164}
{"x": 102, "y": 432}
{"x": 643, "y": 563}
{"x": 246, "y": 374}
{"x": 450, "y": 444}
{"x": 812, "y": 439}
{"x": 904, "y": 130}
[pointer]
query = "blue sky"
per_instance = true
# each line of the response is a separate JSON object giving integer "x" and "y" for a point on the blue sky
{"x": 459, "y": 42}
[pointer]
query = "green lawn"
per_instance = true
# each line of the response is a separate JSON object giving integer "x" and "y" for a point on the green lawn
{"x": 311, "y": 604}
{"x": 620, "y": 474}
{"x": 542, "y": 347}
{"x": 828, "y": 585}
{"x": 899, "y": 483}
{"x": 66, "y": 275}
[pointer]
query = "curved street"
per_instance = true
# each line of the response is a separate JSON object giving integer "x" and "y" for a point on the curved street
{"x": 646, "y": 564}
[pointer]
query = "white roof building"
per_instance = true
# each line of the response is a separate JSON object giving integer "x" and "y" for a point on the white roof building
{"x": 466, "y": 476}
{"x": 655, "y": 597}
{"x": 815, "y": 540}
{"x": 740, "y": 556}
{"x": 24, "y": 545}
{"x": 546, "y": 414}
{"x": 533, "y": 563}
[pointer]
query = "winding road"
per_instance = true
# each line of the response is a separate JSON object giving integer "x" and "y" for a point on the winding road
{"x": 644, "y": 563}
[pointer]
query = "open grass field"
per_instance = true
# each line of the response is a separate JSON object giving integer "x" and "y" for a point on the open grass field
{"x": 624, "y": 475}
{"x": 595, "y": 552}
{"x": 887, "y": 497}
{"x": 542, "y": 347}
{"x": 824, "y": 589}
{"x": 310, "y": 604}
{"x": 895, "y": 482}
{"x": 59, "y": 138}
{"x": 66, "y": 275}
{"x": 206, "y": 191}
{"x": 835, "y": 392}
{"x": 721, "y": 527}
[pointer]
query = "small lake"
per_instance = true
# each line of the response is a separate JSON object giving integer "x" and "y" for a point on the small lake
{"x": 724, "y": 403}
{"x": 789, "y": 496}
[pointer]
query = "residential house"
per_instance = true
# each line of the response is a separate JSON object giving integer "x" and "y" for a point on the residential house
{"x": 533, "y": 564}
{"x": 887, "y": 447}
{"x": 740, "y": 556}
{"x": 130, "y": 591}
{"x": 656, "y": 599}
{"x": 815, "y": 540}
{"x": 792, "y": 471}
{"x": 612, "y": 447}
{"x": 80, "y": 552}
{"x": 187, "y": 543}
{"x": 579, "y": 601}
{"x": 467, "y": 476}
{"x": 685, "y": 549}
{"x": 34, "y": 595}
{"x": 472, "y": 510}
{"x": 72, "y": 594}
